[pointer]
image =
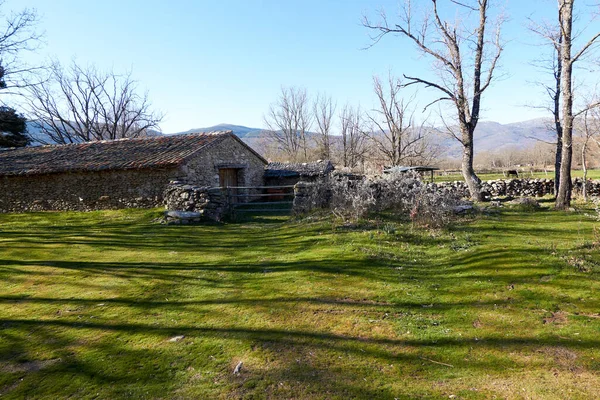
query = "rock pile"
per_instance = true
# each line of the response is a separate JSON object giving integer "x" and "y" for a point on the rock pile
{"x": 189, "y": 204}
{"x": 525, "y": 202}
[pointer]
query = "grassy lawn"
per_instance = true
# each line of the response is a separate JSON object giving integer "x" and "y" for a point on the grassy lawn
{"x": 92, "y": 304}
{"x": 592, "y": 174}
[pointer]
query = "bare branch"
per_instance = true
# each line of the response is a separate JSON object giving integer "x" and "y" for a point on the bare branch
{"x": 592, "y": 42}
{"x": 414, "y": 80}
{"x": 288, "y": 122}
{"x": 83, "y": 104}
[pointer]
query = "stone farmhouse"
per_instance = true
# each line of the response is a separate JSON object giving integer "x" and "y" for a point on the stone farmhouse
{"x": 122, "y": 173}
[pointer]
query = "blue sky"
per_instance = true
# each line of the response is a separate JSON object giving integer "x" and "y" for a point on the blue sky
{"x": 208, "y": 62}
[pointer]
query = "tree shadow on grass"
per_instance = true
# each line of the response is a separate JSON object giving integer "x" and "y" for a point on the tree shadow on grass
{"x": 115, "y": 368}
{"x": 128, "y": 354}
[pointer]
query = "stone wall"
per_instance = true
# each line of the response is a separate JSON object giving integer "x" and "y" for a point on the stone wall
{"x": 521, "y": 187}
{"x": 593, "y": 186}
{"x": 85, "y": 191}
{"x": 307, "y": 199}
{"x": 229, "y": 153}
{"x": 206, "y": 202}
{"x": 304, "y": 197}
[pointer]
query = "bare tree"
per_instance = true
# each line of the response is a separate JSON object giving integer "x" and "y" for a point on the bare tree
{"x": 538, "y": 154}
{"x": 84, "y": 104}
{"x": 288, "y": 122}
{"x": 17, "y": 36}
{"x": 394, "y": 132}
{"x": 590, "y": 130}
{"x": 324, "y": 110}
{"x": 551, "y": 34}
{"x": 353, "y": 138}
{"x": 427, "y": 150}
{"x": 542, "y": 154}
{"x": 568, "y": 58}
{"x": 453, "y": 47}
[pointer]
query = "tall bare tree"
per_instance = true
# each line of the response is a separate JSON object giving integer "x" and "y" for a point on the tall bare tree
{"x": 568, "y": 58}
{"x": 18, "y": 35}
{"x": 551, "y": 34}
{"x": 82, "y": 104}
{"x": 324, "y": 110}
{"x": 589, "y": 131}
{"x": 394, "y": 132}
{"x": 352, "y": 136}
{"x": 288, "y": 122}
{"x": 454, "y": 47}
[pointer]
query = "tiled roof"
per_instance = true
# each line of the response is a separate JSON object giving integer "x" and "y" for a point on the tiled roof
{"x": 292, "y": 170}
{"x": 135, "y": 153}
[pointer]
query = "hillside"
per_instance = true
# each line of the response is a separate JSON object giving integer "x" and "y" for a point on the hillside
{"x": 241, "y": 131}
{"x": 489, "y": 135}
{"x": 38, "y": 137}
{"x": 493, "y": 136}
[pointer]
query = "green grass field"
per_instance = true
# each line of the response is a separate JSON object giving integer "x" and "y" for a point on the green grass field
{"x": 592, "y": 174}
{"x": 93, "y": 306}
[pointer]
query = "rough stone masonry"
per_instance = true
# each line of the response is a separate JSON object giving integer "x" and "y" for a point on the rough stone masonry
{"x": 520, "y": 187}
{"x": 189, "y": 203}
{"x": 127, "y": 173}
{"x": 305, "y": 199}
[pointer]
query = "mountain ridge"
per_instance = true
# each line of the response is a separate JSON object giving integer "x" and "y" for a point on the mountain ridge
{"x": 489, "y": 135}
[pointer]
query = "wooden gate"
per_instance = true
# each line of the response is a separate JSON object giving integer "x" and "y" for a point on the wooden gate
{"x": 256, "y": 200}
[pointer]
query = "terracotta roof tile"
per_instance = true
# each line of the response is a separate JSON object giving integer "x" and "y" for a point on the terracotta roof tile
{"x": 138, "y": 153}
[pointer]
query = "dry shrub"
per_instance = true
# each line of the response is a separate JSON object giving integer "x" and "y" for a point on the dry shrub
{"x": 596, "y": 202}
{"x": 351, "y": 199}
{"x": 402, "y": 193}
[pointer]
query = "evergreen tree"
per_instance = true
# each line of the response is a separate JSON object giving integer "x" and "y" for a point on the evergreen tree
{"x": 12, "y": 128}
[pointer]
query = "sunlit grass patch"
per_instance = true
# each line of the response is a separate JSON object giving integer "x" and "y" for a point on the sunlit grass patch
{"x": 111, "y": 305}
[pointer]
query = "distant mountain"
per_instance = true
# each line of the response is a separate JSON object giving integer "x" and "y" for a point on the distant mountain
{"x": 488, "y": 135}
{"x": 35, "y": 134}
{"x": 38, "y": 137}
{"x": 493, "y": 136}
{"x": 238, "y": 130}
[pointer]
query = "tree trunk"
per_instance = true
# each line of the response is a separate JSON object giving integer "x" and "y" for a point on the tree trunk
{"x": 471, "y": 179}
{"x": 563, "y": 197}
{"x": 584, "y": 165}
{"x": 557, "y": 161}
{"x": 556, "y": 113}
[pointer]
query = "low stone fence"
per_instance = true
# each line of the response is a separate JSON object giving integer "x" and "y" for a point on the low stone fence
{"x": 306, "y": 198}
{"x": 188, "y": 203}
{"x": 593, "y": 187}
{"x": 506, "y": 187}
{"x": 521, "y": 187}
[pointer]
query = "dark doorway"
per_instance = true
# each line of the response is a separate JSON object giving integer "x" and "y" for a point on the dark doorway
{"x": 228, "y": 177}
